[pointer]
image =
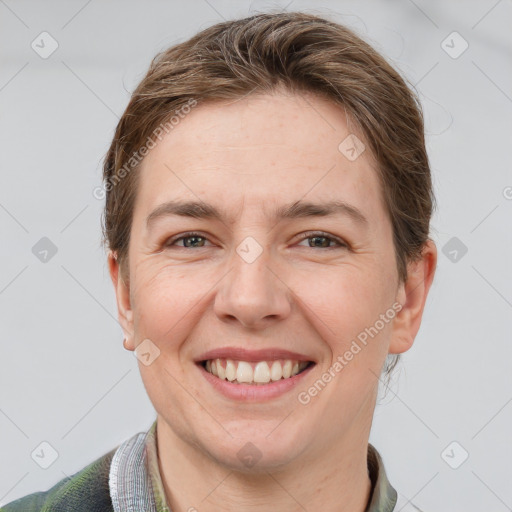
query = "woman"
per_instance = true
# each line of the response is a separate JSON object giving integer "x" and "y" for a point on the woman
{"x": 268, "y": 201}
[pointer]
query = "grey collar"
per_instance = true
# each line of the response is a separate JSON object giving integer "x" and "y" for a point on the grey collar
{"x": 129, "y": 482}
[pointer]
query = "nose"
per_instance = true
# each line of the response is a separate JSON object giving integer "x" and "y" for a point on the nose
{"x": 252, "y": 293}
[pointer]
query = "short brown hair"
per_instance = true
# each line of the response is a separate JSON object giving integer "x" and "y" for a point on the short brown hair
{"x": 260, "y": 54}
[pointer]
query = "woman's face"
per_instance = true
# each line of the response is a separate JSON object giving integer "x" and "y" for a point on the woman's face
{"x": 249, "y": 280}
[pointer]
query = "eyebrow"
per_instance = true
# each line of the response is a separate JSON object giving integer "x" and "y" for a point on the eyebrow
{"x": 296, "y": 210}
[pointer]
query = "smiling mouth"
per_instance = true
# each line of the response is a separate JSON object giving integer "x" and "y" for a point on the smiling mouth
{"x": 255, "y": 372}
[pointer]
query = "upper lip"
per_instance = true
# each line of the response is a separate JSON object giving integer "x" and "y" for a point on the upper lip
{"x": 242, "y": 354}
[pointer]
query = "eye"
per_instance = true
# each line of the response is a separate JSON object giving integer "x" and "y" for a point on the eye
{"x": 194, "y": 238}
{"x": 322, "y": 240}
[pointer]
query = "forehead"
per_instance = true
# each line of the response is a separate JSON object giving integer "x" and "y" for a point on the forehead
{"x": 262, "y": 151}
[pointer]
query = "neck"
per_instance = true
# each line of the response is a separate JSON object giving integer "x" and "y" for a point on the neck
{"x": 333, "y": 479}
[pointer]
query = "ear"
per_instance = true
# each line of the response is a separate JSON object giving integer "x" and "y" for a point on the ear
{"x": 412, "y": 295}
{"x": 122, "y": 290}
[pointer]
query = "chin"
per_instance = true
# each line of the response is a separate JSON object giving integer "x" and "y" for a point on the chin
{"x": 254, "y": 454}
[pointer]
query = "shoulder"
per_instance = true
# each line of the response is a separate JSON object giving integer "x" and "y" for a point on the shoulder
{"x": 87, "y": 490}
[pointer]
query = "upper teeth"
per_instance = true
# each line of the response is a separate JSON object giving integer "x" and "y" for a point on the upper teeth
{"x": 260, "y": 372}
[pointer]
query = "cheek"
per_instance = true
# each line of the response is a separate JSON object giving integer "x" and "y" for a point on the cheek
{"x": 165, "y": 301}
{"x": 345, "y": 298}
{"x": 344, "y": 306}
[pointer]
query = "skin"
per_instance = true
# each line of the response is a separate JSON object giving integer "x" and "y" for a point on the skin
{"x": 248, "y": 157}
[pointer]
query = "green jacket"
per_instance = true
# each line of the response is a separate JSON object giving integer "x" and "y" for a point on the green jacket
{"x": 85, "y": 491}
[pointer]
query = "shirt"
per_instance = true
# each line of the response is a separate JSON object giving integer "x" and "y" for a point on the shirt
{"x": 127, "y": 479}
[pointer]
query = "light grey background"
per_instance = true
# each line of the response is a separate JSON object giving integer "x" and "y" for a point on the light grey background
{"x": 64, "y": 375}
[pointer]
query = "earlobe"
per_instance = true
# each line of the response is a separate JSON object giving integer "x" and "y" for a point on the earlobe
{"x": 122, "y": 291}
{"x": 412, "y": 295}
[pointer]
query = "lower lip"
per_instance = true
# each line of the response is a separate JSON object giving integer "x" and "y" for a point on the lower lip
{"x": 254, "y": 392}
